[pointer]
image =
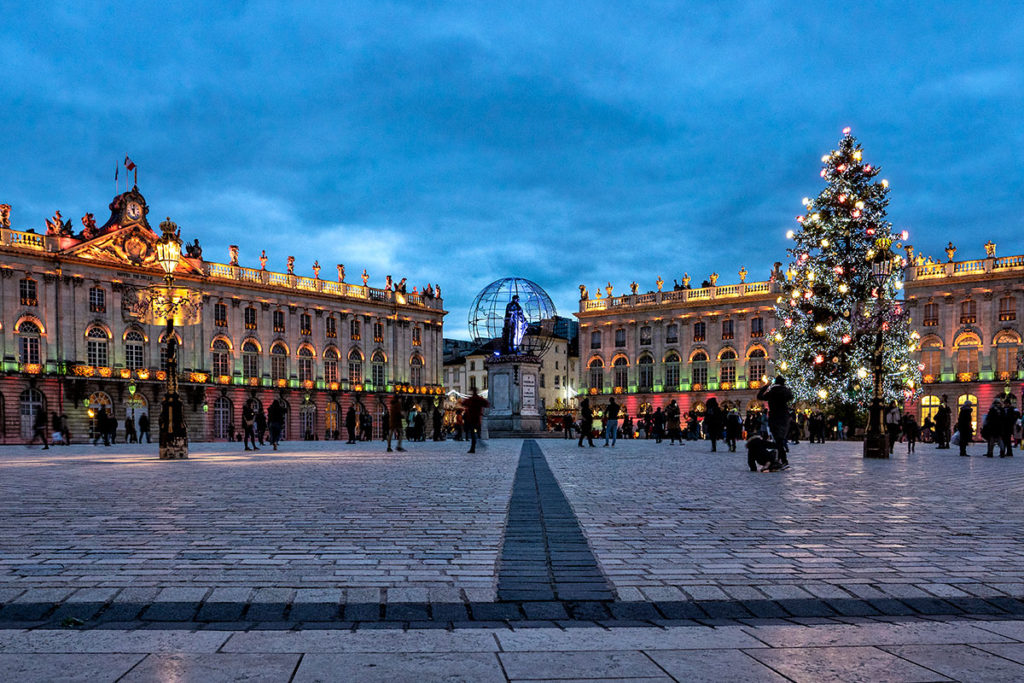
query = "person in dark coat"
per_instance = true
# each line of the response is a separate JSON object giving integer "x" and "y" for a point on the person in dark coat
{"x": 350, "y": 424}
{"x": 992, "y": 427}
{"x": 586, "y": 423}
{"x": 567, "y": 425}
{"x": 713, "y": 422}
{"x": 778, "y": 397}
{"x": 395, "y": 414}
{"x": 733, "y": 429}
{"x": 436, "y": 419}
{"x": 943, "y": 420}
{"x": 473, "y": 419}
{"x": 672, "y": 422}
{"x": 39, "y": 429}
{"x": 249, "y": 427}
{"x": 1010, "y": 417}
{"x": 261, "y": 424}
{"x": 275, "y": 419}
{"x": 659, "y": 425}
{"x": 144, "y": 427}
{"x": 964, "y": 426}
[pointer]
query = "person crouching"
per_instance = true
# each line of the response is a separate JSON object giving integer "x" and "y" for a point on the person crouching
{"x": 762, "y": 453}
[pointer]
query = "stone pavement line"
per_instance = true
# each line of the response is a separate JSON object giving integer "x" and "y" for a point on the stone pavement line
{"x": 545, "y": 555}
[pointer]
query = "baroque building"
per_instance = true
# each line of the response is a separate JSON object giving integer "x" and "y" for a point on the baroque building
{"x": 71, "y": 341}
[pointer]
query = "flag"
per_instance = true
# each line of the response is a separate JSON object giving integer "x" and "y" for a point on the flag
{"x": 128, "y": 163}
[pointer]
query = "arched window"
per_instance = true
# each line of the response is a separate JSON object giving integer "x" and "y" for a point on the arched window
{"x": 28, "y": 342}
{"x": 727, "y": 366}
{"x": 330, "y": 366}
{"x": 331, "y": 420}
{"x": 595, "y": 339}
{"x": 416, "y": 371}
{"x": 645, "y": 367}
{"x": 378, "y": 370}
{"x": 929, "y": 406}
{"x": 596, "y": 368}
{"x": 221, "y": 417}
{"x": 355, "y": 366}
{"x": 672, "y": 371}
{"x": 307, "y": 421}
{"x": 931, "y": 359}
{"x": 620, "y": 373}
{"x": 250, "y": 360}
{"x": 278, "y": 362}
{"x": 221, "y": 358}
{"x": 134, "y": 343}
{"x": 306, "y": 370}
{"x": 1007, "y": 343}
{"x": 32, "y": 402}
{"x": 757, "y": 365}
{"x": 699, "y": 368}
{"x": 967, "y": 356}
{"x": 96, "y": 346}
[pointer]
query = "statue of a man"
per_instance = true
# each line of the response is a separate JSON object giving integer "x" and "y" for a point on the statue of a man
{"x": 341, "y": 272}
{"x": 660, "y": 283}
{"x": 514, "y": 328}
{"x": 233, "y": 253}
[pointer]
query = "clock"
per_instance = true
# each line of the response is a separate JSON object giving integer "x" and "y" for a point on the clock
{"x": 134, "y": 211}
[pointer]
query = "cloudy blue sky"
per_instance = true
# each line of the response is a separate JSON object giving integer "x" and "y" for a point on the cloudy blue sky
{"x": 564, "y": 142}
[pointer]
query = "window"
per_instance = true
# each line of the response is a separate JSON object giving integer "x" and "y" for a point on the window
{"x": 931, "y": 315}
{"x": 221, "y": 417}
{"x": 305, "y": 324}
{"x": 28, "y": 344}
{"x": 250, "y": 318}
{"x": 757, "y": 366}
{"x": 378, "y": 370}
{"x": 672, "y": 371}
{"x": 332, "y": 326}
{"x": 699, "y": 368}
{"x": 28, "y": 292}
{"x": 472, "y": 382}
{"x": 133, "y": 347}
{"x": 931, "y": 359}
{"x": 330, "y": 366}
{"x": 250, "y": 360}
{"x": 416, "y": 371}
{"x": 727, "y": 366}
{"x": 727, "y": 329}
{"x": 700, "y": 331}
{"x": 472, "y": 365}
{"x": 378, "y": 332}
{"x": 757, "y": 327}
{"x": 595, "y": 339}
{"x": 278, "y": 362}
{"x": 278, "y": 323}
{"x": 417, "y": 336}
{"x": 557, "y": 377}
{"x": 96, "y": 346}
{"x": 221, "y": 358}
{"x": 620, "y": 338}
{"x": 645, "y": 335}
{"x": 1007, "y": 308}
{"x": 596, "y": 374}
{"x": 1007, "y": 344}
{"x": 542, "y": 380}
{"x": 31, "y": 403}
{"x": 929, "y": 407}
{"x": 97, "y": 300}
{"x": 220, "y": 315}
{"x": 620, "y": 373}
{"x": 672, "y": 334}
{"x": 967, "y": 356}
{"x": 306, "y": 370}
{"x": 354, "y": 330}
{"x": 355, "y": 367}
{"x": 968, "y": 312}
{"x": 646, "y": 371}
{"x": 163, "y": 349}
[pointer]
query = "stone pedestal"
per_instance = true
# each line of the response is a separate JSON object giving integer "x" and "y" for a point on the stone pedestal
{"x": 512, "y": 389}
{"x": 173, "y": 432}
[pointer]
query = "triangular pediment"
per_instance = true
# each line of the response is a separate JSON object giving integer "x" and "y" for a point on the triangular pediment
{"x": 131, "y": 245}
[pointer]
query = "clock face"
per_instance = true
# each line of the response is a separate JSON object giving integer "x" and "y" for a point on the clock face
{"x": 134, "y": 211}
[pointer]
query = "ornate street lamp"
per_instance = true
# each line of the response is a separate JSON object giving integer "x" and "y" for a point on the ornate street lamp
{"x": 876, "y": 442}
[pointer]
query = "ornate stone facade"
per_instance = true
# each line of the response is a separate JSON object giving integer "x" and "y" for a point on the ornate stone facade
{"x": 71, "y": 344}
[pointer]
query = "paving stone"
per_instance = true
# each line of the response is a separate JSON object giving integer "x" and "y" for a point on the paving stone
{"x": 835, "y": 663}
{"x": 400, "y": 667}
{"x": 68, "y": 668}
{"x": 215, "y": 668}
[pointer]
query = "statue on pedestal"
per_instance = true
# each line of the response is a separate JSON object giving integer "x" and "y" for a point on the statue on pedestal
{"x": 5, "y": 215}
{"x": 263, "y": 259}
{"x": 950, "y": 251}
{"x": 686, "y": 280}
{"x": 233, "y": 251}
{"x": 990, "y": 249}
{"x": 743, "y": 275}
{"x": 713, "y": 278}
{"x": 609, "y": 290}
{"x": 660, "y": 283}
{"x": 366, "y": 277}
{"x": 291, "y": 265}
{"x": 514, "y": 328}
{"x": 341, "y": 272}
{"x": 583, "y": 292}
{"x": 316, "y": 269}
{"x": 633, "y": 287}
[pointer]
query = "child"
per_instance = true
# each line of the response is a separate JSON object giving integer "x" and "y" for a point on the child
{"x": 762, "y": 452}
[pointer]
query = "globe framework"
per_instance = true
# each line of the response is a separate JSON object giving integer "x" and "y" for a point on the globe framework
{"x": 487, "y": 313}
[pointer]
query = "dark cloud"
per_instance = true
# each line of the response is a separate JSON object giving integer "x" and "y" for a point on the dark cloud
{"x": 567, "y": 143}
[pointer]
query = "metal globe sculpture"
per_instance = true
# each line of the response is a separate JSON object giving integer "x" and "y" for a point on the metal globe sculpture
{"x": 529, "y": 331}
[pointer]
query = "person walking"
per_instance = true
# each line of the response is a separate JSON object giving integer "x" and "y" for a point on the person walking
{"x": 943, "y": 422}
{"x": 144, "y": 427}
{"x": 672, "y": 422}
{"x": 611, "y": 417}
{"x": 130, "y": 435}
{"x": 39, "y": 429}
{"x": 733, "y": 429}
{"x": 713, "y": 422}
{"x": 911, "y": 431}
{"x": 275, "y": 420}
{"x": 659, "y": 425}
{"x": 992, "y": 427}
{"x": 436, "y": 419}
{"x": 395, "y": 422}
{"x": 460, "y": 424}
{"x": 965, "y": 427}
{"x": 474, "y": 406}
{"x": 249, "y": 426}
{"x": 893, "y": 423}
{"x": 261, "y": 424}
{"x": 350, "y": 423}
{"x": 65, "y": 432}
{"x": 567, "y": 426}
{"x": 1010, "y": 418}
{"x": 586, "y": 423}
{"x": 778, "y": 396}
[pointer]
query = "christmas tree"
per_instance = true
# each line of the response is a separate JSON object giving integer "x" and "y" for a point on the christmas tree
{"x": 832, "y": 310}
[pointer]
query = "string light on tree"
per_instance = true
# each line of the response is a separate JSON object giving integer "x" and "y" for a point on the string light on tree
{"x": 820, "y": 346}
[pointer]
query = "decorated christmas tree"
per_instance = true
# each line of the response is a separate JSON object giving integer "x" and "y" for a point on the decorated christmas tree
{"x": 832, "y": 310}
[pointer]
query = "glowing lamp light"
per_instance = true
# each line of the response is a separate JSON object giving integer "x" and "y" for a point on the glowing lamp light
{"x": 846, "y": 131}
{"x": 168, "y": 247}
{"x": 841, "y": 168}
{"x": 805, "y": 201}
{"x": 842, "y": 199}
{"x": 824, "y": 172}
{"x": 824, "y": 158}
{"x": 816, "y": 217}
{"x": 790, "y": 233}
{"x": 819, "y": 328}
{"x": 885, "y": 183}
{"x": 867, "y": 169}
{"x": 808, "y": 294}
{"x": 789, "y": 322}
{"x": 905, "y": 235}
{"x": 859, "y": 205}
{"x": 819, "y": 359}
{"x": 844, "y": 288}
{"x": 825, "y": 243}
{"x": 855, "y": 213}
{"x": 846, "y": 339}
{"x": 862, "y": 373}
{"x": 857, "y": 156}
{"x": 822, "y": 394}
{"x": 783, "y": 365}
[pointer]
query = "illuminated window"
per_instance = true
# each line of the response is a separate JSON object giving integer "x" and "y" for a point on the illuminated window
{"x": 417, "y": 338}
{"x": 1007, "y": 308}
{"x": 931, "y": 314}
{"x": 968, "y": 312}
{"x": 97, "y": 300}
{"x": 727, "y": 366}
{"x": 596, "y": 368}
{"x": 355, "y": 330}
{"x": 645, "y": 369}
{"x": 699, "y": 367}
{"x": 1007, "y": 344}
{"x": 672, "y": 371}
{"x": 331, "y": 326}
{"x": 221, "y": 358}
{"x": 378, "y": 369}
{"x": 757, "y": 365}
{"x": 330, "y": 365}
{"x": 931, "y": 358}
{"x": 700, "y": 331}
{"x": 620, "y": 373}
{"x": 250, "y": 360}
{"x": 28, "y": 342}
{"x": 416, "y": 371}
{"x": 250, "y": 318}
{"x": 278, "y": 362}
{"x": 378, "y": 332}
{"x": 757, "y": 327}
{"x": 727, "y": 329}
{"x": 220, "y": 315}
{"x": 28, "y": 292}
{"x": 929, "y": 407}
{"x": 306, "y": 369}
{"x": 96, "y": 346}
{"x": 967, "y": 355}
{"x": 133, "y": 349}
{"x": 355, "y": 367}
{"x": 278, "y": 323}
{"x": 305, "y": 324}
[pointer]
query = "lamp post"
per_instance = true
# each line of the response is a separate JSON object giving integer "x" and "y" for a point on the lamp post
{"x": 173, "y": 431}
{"x": 876, "y": 442}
